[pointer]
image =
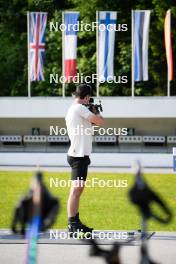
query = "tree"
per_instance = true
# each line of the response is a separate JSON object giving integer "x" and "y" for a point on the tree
{"x": 13, "y": 43}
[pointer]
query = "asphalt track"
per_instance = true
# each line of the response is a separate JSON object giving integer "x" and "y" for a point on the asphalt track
{"x": 162, "y": 248}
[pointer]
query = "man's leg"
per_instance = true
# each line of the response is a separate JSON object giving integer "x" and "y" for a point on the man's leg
{"x": 74, "y": 223}
{"x": 74, "y": 197}
{"x": 79, "y": 174}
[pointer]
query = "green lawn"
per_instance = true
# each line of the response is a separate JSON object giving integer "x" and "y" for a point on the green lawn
{"x": 102, "y": 208}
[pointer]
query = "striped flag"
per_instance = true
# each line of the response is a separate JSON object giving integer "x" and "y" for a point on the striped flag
{"x": 106, "y": 39}
{"x": 36, "y": 45}
{"x": 70, "y": 45}
{"x": 168, "y": 44}
{"x": 141, "y": 21}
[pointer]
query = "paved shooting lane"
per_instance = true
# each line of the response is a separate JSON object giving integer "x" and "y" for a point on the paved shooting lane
{"x": 161, "y": 251}
{"x": 162, "y": 247}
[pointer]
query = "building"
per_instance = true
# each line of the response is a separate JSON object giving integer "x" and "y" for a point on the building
{"x": 25, "y": 131}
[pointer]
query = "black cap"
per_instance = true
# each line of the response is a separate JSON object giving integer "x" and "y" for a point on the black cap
{"x": 82, "y": 90}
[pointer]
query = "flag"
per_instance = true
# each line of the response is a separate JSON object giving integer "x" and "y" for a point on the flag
{"x": 37, "y": 27}
{"x": 106, "y": 39}
{"x": 141, "y": 21}
{"x": 168, "y": 44}
{"x": 70, "y": 45}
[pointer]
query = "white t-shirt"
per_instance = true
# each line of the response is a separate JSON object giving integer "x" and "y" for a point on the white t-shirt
{"x": 79, "y": 130}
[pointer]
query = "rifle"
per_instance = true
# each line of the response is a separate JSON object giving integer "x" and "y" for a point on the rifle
{"x": 143, "y": 196}
{"x": 36, "y": 212}
{"x": 35, "y": 225}
{"x": 110, "y": 256}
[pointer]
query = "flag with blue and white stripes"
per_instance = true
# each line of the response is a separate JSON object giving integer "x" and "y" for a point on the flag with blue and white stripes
{"x": 141, "y": 21}
{"x": 106, "y": 40}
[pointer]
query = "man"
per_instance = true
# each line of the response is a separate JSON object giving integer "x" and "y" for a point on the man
{"x": 79, "y": 119}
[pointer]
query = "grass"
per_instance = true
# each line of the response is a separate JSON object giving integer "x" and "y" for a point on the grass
{"x": 102, "y": 208}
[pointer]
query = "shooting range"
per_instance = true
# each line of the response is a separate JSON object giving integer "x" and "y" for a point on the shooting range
{"x": 126, "y": 52}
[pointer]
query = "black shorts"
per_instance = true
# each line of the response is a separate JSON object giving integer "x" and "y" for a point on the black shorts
{"x": 79, "y": 166}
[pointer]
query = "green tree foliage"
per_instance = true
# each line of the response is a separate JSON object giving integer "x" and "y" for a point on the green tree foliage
{"x": 13, "y": 46}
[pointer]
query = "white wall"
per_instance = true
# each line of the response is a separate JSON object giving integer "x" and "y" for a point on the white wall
{"x": 114, "y": 107}
{"x": 97, "y": 159}
{"x": 147, "y": 126}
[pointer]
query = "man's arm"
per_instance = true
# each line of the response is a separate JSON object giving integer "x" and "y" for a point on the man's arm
{"x": 96, "y": 119}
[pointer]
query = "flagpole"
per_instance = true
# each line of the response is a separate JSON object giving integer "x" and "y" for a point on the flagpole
{"x": 168, "y": 66}
{"x": 63, "y": 57}
{"x": 28, "y": 47}
{"x": 97, "y": 57}
{"x": 132, "y": 54}
{"x": 168, "y": 85}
